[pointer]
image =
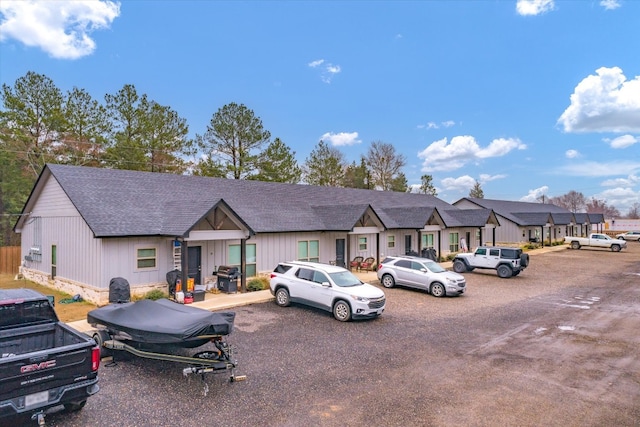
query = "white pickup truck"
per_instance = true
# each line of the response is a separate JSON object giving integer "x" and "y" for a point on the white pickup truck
{"x": 596, "y": 240}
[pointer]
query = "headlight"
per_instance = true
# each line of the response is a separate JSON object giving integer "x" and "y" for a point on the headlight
{"x": 361, "y": 299}
{"x": 451, "y": 281}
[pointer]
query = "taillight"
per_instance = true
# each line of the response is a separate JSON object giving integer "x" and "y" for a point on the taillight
{"x": 272, "y": 275}
{"x": 95, "y": 358}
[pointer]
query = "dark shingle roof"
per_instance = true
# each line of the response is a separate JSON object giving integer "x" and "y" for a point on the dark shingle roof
{"x": 127, "y": 203}
{"x": 469, "y": 217}
{"x": 526, "y": 213}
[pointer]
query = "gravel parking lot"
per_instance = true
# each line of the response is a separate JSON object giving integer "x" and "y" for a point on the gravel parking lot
{"x": 555, "y": 346}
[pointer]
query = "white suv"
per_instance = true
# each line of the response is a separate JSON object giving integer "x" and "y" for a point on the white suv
{"x": 328, "y": 287}
{"x": 506, "y": 261}
{"x": 421, "y": 273}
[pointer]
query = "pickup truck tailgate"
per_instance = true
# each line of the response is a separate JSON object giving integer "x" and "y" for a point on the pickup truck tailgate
{"x": 44, "y": 377}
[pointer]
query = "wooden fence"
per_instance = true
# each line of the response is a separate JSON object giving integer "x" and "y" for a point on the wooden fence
{"x": 9, "y": 259}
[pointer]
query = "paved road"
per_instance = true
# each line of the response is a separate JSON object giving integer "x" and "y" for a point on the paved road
{"x": 555, "y": 346}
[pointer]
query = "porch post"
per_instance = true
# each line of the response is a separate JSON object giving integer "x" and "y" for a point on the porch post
{"x": 243, "y": 265}
{"x": 184, "y": 267}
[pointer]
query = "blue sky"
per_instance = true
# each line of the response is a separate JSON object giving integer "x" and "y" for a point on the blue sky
{"x": 527, "y": 97}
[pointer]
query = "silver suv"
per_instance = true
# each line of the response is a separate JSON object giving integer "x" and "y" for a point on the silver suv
{"x": 328, "y": 287}
{"x": 506, "y": 261}
{"x": 421, "y": 273}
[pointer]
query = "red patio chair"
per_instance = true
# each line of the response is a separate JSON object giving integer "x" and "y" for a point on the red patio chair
{"x": 356, "y": 262}
{"x": 368, "y": 264}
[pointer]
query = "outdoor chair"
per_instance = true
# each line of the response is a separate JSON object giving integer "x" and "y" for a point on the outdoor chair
{"x": 356, "y": 262}
{"x": 368, "y": 264}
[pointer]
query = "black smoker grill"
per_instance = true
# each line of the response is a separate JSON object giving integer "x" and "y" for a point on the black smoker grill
{"x": 228, "y": 278}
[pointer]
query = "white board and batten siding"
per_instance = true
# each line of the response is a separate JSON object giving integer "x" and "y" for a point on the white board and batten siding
{"x": 54, "y": 220}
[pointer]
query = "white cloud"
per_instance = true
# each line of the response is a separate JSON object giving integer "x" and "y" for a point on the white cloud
{"x": 610, "y": 4}
{"x": 444, "y": 156}
{"x": 434, "y": 125}
{"x": 486, "y": 177}
{"x": 461, "y": 183}
{"x": 341, "y": 139}
{"x": 620, "y": 198}
{"x": 623, "y": 141}
{"x": 328, "y": 71}
{"x": 571, "y": 154}
{"x": 606, "y": 102}
{"x": 501, "y": 146}
{"x": 630, "y": 181}
{"x": 60, "y": 28}
{"x": 612, "y": 168}
{"x": 534, "y": 7}
{"x": 534, "y": 194}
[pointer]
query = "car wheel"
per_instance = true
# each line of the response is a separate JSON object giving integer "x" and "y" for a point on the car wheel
{"x": 504, "y": 271}
{"x": 388, "y": 281}
{"x": 342, "y": 311}
{"x": 438, "y": 290}
{"x": 100, "y": 337}
{"x": 282, "y": 297}
{"x": 459, "y": 266}
{"x": 615, "y": 248}
{"x": 575, "y": 245}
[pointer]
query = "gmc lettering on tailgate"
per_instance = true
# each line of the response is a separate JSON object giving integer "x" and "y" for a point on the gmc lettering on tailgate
{"x": 37, "y": 366}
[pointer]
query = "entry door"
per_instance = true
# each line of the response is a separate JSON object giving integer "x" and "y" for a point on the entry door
{"x": 195, "y": 263}
{"x": 340, "y": 247}
{"x": 407, "y": 244}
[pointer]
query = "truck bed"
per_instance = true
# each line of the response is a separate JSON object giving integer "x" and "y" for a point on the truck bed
{"x": 36, "y": 338}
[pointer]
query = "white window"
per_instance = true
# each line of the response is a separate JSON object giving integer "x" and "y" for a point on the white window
{"x": 391, "y": 241}
{"x": 146, "y": 258}
{"x": 453, "y": 242}
{"x": 235, "y": 258}
{"x": 362, "y": 243}
{"x": 427, "y": 240}
{"x": 309, "y": 250}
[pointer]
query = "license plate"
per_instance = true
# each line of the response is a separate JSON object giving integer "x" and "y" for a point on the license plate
{"x": 36, "y": 398}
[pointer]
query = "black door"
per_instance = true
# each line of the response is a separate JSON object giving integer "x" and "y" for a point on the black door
{"x": 195, "y": 264}
{"x": 407, "y": 244}
{"x": 340, "y": 246}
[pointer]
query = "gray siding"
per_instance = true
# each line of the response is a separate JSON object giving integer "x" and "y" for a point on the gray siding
{"x": 55, "y": 221}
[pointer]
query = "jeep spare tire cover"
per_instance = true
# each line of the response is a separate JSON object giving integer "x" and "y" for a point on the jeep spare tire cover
{"x": 524, "y": 260}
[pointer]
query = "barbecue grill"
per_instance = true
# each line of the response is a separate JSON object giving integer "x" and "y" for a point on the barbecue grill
{"x": 228, "y": 278}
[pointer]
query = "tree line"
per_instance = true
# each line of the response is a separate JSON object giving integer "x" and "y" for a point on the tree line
{"x": 40, "y": 124}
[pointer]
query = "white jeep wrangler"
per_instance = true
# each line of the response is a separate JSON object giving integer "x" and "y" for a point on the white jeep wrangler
{"x": 506, "y": 261}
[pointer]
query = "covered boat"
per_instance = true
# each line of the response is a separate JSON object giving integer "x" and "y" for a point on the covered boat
{"x": 162, "y": 322}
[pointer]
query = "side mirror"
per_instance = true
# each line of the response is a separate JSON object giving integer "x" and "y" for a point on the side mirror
{"x": 326, "y": 284}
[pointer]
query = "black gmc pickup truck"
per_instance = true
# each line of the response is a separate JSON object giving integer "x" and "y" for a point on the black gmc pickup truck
{"x": 43, "y": 362}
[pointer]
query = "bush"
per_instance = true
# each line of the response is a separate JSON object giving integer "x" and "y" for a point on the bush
{"x": 257, "y": 284}
{"x": 154, "y": 295}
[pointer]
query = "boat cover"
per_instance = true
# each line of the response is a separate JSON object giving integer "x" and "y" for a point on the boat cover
{"x": 162, "y": 321}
